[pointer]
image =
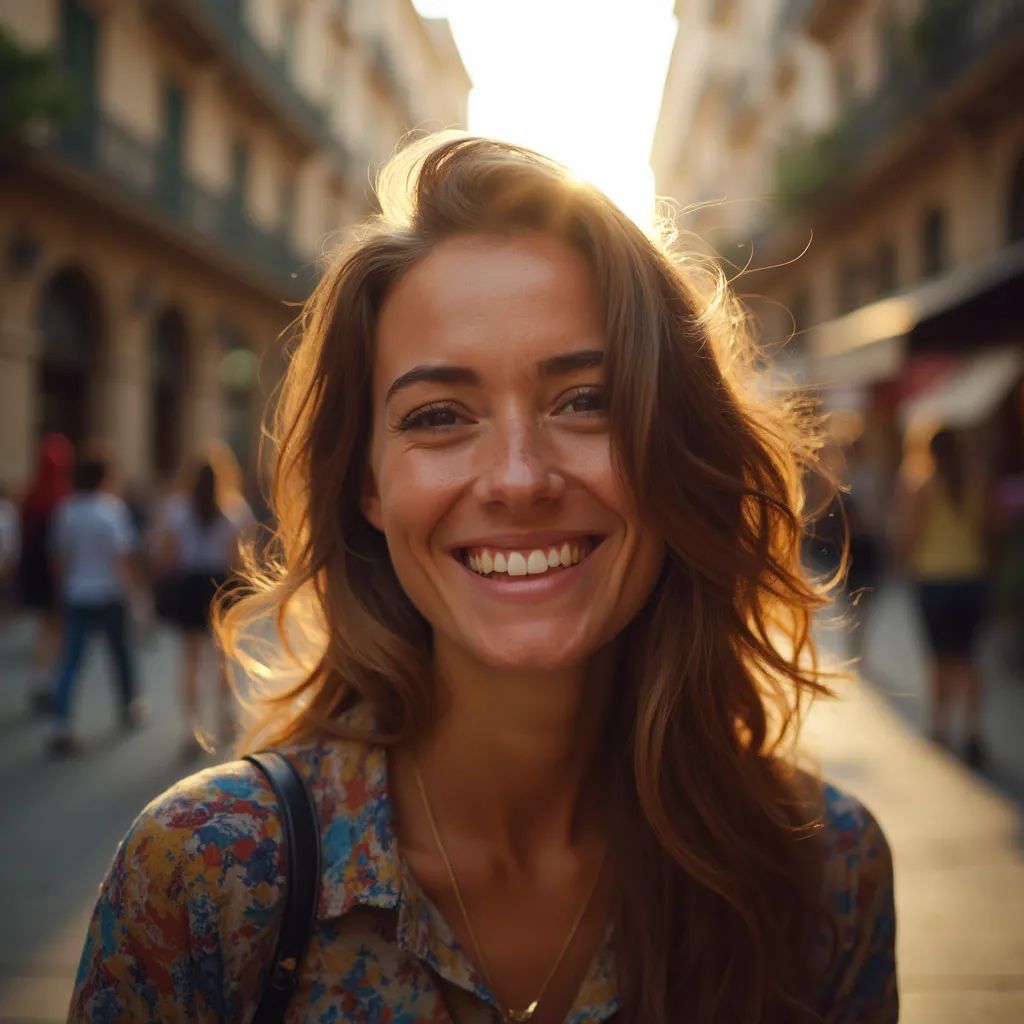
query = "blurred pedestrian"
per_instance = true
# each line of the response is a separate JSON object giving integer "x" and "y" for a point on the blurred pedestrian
{"x": 92, "y": 543}
{"x": 945, "y": 550}
{"x": 197, "y": 550}
{"x": 36, "y": 587}
{"x": 10, "y": 546}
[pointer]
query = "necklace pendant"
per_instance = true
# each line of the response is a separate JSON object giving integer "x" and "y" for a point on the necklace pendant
{"x": 521, "y": 1016}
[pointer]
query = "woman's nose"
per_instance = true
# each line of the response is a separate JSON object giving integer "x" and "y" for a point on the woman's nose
{"x": 517, "y": 468}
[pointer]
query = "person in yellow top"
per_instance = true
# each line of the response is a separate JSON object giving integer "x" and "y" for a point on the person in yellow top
{"x": 946, "y": 554}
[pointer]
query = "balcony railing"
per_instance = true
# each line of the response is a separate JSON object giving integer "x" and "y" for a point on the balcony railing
{"x": 824, "y": 18}
{"x": 117, "y": 156}
{"x": 264, "y": 72}
{"x": 722, "y": 11}
{"x": 949, "y": 37}
{"x": 744, "y": 102}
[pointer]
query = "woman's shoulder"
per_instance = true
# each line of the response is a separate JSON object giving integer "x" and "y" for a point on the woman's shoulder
{"x": 228, "y": 812}
{"x": 200, "y": 828}
{"x": 858, "y": 871}
{"x": 856, "y": 851}
{"x": 859, "y": 900}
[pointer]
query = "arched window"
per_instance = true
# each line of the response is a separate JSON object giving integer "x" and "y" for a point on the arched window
{"x": 170, "y": 348}
{"x": 239, "y": 370}
{"x": 934, "y": 257}
{"x": 71, "y": 327}
{"x": 1015, "y": 204}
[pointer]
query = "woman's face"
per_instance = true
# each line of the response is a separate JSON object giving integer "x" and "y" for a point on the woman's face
{"x": 491, "y": 468}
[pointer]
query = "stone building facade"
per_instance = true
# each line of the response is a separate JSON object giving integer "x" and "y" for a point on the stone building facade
{"x": 859, "y": 167}
{"x": 154, "y": 245}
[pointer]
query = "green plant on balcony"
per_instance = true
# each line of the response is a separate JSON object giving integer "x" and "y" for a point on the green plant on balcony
{"x": 807, "y": 169}
{"x": 928, "y": 31}
{"x": 32, "y": 89}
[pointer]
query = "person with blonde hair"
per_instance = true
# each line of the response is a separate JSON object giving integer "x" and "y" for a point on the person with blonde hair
{"x": 197, "y": 543}
{"x": 535, "y": 636}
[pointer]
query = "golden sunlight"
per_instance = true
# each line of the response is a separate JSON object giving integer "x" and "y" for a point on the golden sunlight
{"x": 578, "y": 80}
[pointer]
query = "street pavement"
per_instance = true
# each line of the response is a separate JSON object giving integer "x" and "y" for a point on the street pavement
{"x": 957, "y": 837}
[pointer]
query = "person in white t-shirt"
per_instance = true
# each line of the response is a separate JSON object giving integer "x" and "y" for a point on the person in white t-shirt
{"x": 197, "y": 541}
{"x": 91, "y": 545}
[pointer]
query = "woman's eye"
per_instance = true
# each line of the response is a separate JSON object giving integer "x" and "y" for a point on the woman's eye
{"x": 584, "y": 400}
{"x": 433, "y": 417}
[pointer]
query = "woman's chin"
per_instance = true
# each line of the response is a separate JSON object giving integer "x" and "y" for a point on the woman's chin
{"x": 531, "y": 654}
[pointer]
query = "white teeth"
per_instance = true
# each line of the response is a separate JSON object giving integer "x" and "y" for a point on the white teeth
{"x": 516, "y": 564}
{"x": 537, "y": 563}
{"x": 532, "y": 563}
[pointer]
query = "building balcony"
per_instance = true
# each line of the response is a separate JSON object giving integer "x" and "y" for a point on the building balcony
{"x": 791, "y": 16}
{"x": 952, "y": 45}
{"x": 745, "y": 108}
{"x": 722, "y": 11}
{"x": 131, "y": 173}
{"x": 824, "y": 19}
{"x": 216, "y": 31}
{"x": 716, "y": 86}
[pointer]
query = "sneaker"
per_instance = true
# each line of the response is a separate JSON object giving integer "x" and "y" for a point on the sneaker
{"x": 61, "y": 747}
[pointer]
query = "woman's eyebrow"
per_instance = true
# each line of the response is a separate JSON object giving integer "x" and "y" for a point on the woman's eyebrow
{"x": 553, "y": 366}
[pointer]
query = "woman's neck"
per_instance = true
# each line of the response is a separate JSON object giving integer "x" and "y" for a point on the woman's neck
{"x": 512, "y": 759}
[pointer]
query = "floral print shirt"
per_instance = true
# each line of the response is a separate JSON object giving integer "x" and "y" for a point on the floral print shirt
{"x": 187, "y": 918}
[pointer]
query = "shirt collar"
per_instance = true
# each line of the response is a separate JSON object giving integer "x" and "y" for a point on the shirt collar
{"x": 348, "y": 780}
{"x": 360, "y": 862}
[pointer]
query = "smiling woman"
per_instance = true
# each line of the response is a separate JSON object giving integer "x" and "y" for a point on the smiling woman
{"x": 542, "y": 645}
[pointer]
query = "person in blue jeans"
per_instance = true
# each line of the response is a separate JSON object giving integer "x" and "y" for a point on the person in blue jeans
{"x": 92, "y": 544}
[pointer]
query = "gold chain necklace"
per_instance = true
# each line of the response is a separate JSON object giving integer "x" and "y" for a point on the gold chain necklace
{"x": 509, "y": 1016}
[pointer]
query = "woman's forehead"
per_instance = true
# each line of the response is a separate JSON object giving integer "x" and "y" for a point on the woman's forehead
{"x": 490, "y": 296}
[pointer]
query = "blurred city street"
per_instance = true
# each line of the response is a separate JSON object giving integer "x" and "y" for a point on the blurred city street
{"x": 177, "y": 178}
{"x": 956, "y": 837}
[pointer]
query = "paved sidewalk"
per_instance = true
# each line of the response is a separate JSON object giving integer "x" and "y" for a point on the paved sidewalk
{"x": 959, "y": 861}
{"x": 894, "y": 661}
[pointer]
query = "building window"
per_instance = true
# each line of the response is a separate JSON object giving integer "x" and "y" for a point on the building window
{"x": 933, "y": 242}
{"x": 845, "y": 87}
{"x": 79, "y": 51}
{"x": 172, "y": 163}
{"x": 849, "y": 286}
{"x": 800, "y": 311}
{"x": 885, "y": 269}
{"x": 287, "y": 207}
{"x": 288, "y": 37}
{"x": 1015, "y": 207}
{"x": 239, "y": 179}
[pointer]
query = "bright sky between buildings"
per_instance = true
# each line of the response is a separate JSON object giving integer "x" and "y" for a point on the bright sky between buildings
{"x": 578, "y": 80}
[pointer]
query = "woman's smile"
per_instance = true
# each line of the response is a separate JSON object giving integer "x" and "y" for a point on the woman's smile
{"x": 529, "y": 569}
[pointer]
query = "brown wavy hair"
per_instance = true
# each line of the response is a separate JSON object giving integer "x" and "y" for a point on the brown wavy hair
{"x": 719, "y": 869}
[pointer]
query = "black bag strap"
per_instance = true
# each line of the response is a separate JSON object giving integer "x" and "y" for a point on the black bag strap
{"x": 301, "y": 833}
